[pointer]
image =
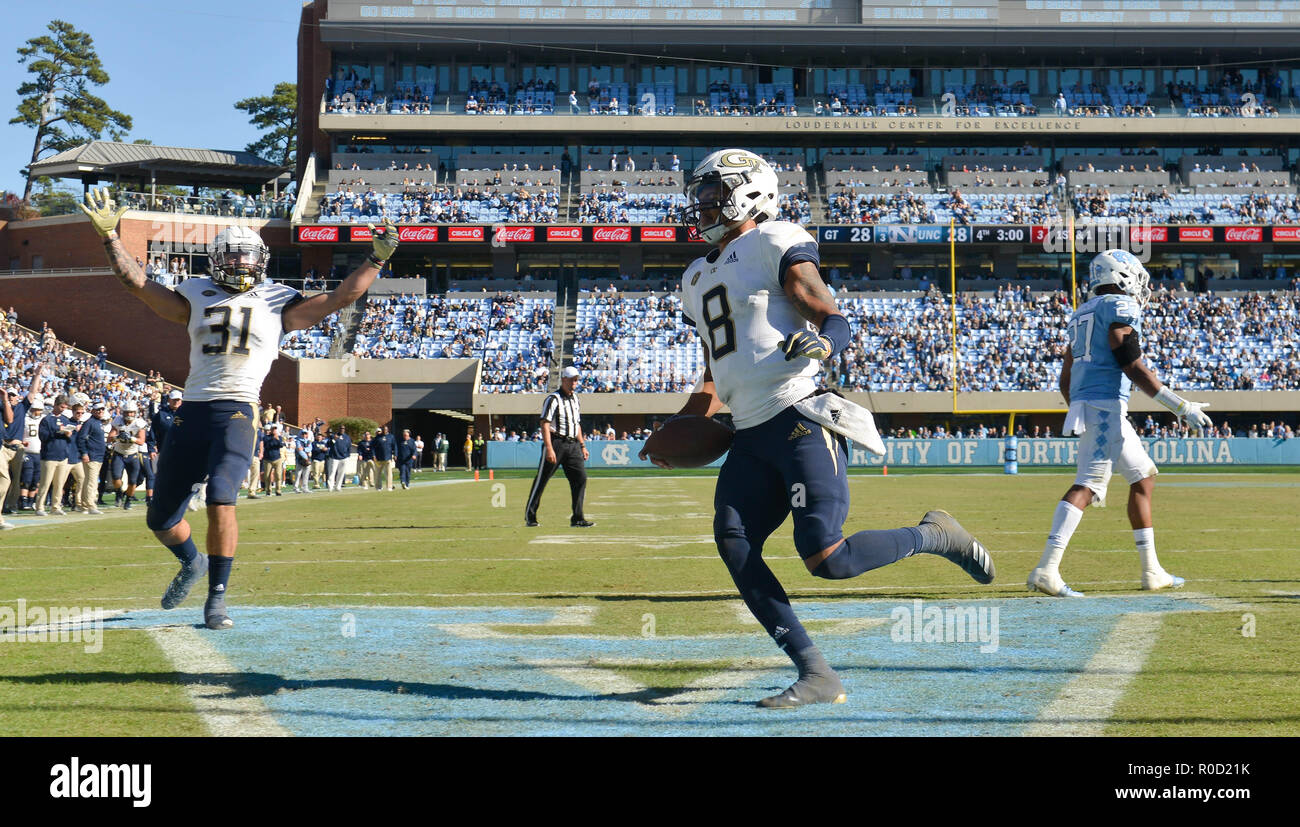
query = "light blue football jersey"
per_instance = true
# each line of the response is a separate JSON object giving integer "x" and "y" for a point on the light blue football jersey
{"x": 1095, "y": 374}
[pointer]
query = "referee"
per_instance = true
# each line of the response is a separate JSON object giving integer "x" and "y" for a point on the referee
{"x": 562, "y": 445}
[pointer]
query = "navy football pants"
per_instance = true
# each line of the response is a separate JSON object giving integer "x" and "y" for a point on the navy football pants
{"x": 207, "y": 439}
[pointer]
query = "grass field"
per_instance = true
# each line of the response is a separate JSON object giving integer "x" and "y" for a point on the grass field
{"x": 435, "y": 611}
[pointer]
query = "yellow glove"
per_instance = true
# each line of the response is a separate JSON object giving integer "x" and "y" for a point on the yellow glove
{"x": 99, "y": 208}
{"x": 384, "y": 240}
{"x": 806, "y": 343}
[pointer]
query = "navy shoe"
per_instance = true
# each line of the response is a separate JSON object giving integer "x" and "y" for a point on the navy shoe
{"x": 179, "y": 588}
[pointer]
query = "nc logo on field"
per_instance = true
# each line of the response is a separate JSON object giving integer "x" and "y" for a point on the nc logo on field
{"x": 614, "y": 454}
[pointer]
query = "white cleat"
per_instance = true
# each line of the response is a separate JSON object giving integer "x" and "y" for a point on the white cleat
{"x": 1050, "y": 584}
{"x": 1152, "y": 581}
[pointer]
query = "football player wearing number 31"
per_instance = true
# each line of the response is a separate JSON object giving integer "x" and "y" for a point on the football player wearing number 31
{"x": 767, "y": 321}
{"x": 235, "y": 320}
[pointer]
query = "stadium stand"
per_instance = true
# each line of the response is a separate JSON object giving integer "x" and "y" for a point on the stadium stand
{"x": 635, "y": 344}
{"x": 67, "y": 370}
{"x": 511, "y": 333}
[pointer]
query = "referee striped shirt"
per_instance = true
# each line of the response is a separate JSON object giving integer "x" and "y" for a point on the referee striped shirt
{"x": 562, "y": 412}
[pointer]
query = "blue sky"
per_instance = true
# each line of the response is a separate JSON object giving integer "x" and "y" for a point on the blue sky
{"x": 176, "y": 68}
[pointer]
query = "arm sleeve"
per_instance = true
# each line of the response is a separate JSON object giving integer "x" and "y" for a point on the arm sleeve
{"x": 548, "y": 409}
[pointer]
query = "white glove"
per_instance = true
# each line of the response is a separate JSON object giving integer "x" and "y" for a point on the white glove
{"x": 1189, "y": 412}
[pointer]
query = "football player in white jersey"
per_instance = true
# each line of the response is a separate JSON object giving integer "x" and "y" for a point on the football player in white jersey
{"x": 128, "y": 438}
{"x": 235, "y": 320}
{"x": 1102, "y": 363}
{"x": 767, "y": 321}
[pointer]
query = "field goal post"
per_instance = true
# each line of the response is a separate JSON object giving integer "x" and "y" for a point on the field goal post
{"x": 957, "y": 410}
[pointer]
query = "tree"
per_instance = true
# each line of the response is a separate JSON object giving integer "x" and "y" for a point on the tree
{"x": 56, "y": 102}
{"x": 277, "y": 115}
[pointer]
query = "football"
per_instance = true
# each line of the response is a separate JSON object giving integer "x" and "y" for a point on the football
{"x": 690, "y": 441}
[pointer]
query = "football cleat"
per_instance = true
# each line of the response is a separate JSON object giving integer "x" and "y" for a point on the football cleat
{"x": 1050, "y": 584}
{"x": 179, "y": 588}
{"x": 810, "y": 689}
{"x": 214, "y": 614}
{"x": 1151, "y": 581}
{"x": 960, "y": 547}
{"x": 581, "y": 524}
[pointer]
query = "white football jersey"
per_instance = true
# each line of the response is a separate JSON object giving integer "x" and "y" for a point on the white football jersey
{"x": 127, "y": 432}
{"x": 736, "y": 301}
{"x": 234, "y": 338}
{"x": 32, "y": 433}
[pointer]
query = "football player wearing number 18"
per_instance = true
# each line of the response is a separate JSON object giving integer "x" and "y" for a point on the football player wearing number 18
{"x": 767, "y": 321}
{"x": 235, "y": 320}
{"x": 1102, "y": 363}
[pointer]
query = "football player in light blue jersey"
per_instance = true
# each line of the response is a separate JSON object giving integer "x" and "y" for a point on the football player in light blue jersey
{"x": 1102, "y": 363}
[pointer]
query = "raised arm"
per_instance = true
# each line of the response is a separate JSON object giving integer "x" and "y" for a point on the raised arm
{"x": 104, "y": 216}
{"x": 38, "y": 378}
{"x": 305, "y": 313}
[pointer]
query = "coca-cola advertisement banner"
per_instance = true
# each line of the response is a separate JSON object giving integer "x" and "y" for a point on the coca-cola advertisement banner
{"x": 564, "y": 234}
{"x": 658, "y": 233}
{"x": 1286, "y": 233}
{"x": 418, "y": 235}
{"x": 611, "y": 234}
{"x": 1243, "y": 234}
{"x": 501, "y": 235}
{"x": 314, "y": 234}
{"x": 464, "y": 233}
{"x": 1195, "y": 233}
{"x": 1155, "y": 234}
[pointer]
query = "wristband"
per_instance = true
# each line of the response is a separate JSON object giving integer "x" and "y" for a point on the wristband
{"x": 837, "y": 331}
{"x": 378, "y": 262}
{"x": 1171, "y": 400}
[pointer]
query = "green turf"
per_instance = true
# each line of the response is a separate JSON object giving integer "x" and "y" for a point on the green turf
{"x": 61, "y": 689}
{"x": 651, "y": 553}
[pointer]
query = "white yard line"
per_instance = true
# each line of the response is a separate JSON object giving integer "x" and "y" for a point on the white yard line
{"x": 1086, "y": 703}
{"x": 223, "y": 710}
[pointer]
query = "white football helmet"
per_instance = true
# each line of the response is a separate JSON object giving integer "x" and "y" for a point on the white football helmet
{"x": 735, "y": 183}
{"x": 1122, "y": 269}
{"x": 237, "y": 259}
